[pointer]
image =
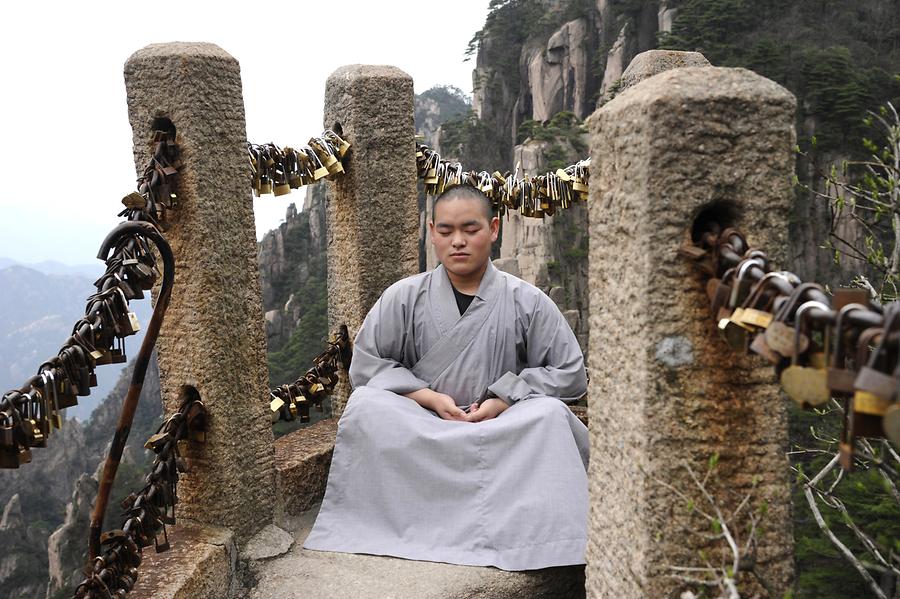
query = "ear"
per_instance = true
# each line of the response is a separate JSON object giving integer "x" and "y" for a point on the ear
{"x": 495, "y": 228}
{"x": 431, "y": 230}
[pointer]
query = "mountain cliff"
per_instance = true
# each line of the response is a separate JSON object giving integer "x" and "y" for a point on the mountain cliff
{"x": 47, "y": 502}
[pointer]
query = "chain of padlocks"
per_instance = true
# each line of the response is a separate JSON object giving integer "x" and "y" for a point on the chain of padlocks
{"x": 146, "y": 512}
{"x": 30, "y": 414}
{"x": 844, "y": 346}
{"x": 293, "y": 400}
{"x": 532, "y": 196}
{"x": 278, "y": 170}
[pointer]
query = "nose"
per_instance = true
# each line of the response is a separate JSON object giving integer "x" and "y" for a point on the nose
{"x": 458, "y": 240}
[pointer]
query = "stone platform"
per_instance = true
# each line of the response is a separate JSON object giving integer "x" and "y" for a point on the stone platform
{"x": 326, "y": 575}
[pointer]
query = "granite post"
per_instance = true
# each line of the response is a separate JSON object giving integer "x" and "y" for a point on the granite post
{"x": 373, "y": 216}
{"x": 666, "y": 391}
{"x": 213, "y": 339}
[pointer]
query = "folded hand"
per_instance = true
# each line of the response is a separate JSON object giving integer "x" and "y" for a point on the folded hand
{"x": 489, "y": 408}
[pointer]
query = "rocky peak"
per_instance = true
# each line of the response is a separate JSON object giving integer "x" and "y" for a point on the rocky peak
{"x": 12, "y": 514}
{"x": 23, "y": 559}
{"x": 66, "y": 546}
{"x": 558, "y": 72}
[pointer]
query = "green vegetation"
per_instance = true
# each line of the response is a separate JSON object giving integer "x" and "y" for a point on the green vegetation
{"x": 821, "y": 572}
{"x": 839, "y": 58}
{"x": 452, "y": 102}
{"x": 471, "y": 142}
{"x": 563, "y": 131}
{"x": 308, "y": 339}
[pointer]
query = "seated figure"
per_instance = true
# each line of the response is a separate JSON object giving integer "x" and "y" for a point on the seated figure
{"x": 456, "y": 444}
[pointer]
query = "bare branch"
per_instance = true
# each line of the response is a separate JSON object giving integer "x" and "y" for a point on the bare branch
{"x": 848, "y": 555}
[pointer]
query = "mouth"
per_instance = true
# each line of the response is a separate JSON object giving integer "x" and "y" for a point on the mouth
{"x": 459, "y": 255}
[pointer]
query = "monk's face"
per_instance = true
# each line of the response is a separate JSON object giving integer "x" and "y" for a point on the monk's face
{"x": 462, "y": 235}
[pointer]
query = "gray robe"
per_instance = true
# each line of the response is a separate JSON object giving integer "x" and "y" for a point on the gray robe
{"x": 510, "y": 492}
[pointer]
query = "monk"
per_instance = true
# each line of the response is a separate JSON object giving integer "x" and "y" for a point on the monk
{"x": 456, "y": 444}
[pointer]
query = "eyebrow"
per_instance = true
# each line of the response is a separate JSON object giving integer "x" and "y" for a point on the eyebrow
{"x": 468, "y": 223}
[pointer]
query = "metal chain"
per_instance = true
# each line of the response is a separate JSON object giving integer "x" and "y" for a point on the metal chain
{"x": 30, "y": 414}
{"x": 294, "y": 399}
{"x": 532, "y": 196}
{"x": 146, "y": 512}
{"x": 279, "y": 170}
{"x": 841, "y": 346}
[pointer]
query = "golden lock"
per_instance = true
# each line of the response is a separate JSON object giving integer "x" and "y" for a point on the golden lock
{"x": 875, "y": 389}
{"x": 320, "y": 173}
{"x": 806, "y": 385}
{"x": 733, "y": 331}
{"x": 752, "y": 316}
{"x": 866, "y": 402}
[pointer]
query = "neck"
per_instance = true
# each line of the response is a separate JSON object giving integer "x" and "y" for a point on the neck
{"x": 469, "y": 283}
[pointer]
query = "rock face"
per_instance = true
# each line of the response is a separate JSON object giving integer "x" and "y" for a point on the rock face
{"x": 66, "y": 546}
{"x": 287, "y": 257}
{"x": 550, "y": 253}
{"x": 556, "y": 73}
{"x": 45, "y": 487}
{"x": 23, "y": 559}
{"x": 559, "y": 72}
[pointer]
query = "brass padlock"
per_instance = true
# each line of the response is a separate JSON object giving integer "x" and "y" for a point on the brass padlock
{"x": 780, "y": 337}
{"x": 875, "y": 389}
{"x": 806, "y": 385}
{"x": 841, "y": 379}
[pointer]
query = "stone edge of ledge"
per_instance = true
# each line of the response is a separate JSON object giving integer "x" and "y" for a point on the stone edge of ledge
{"x": 199, "y": 564}
{"x": 302, "y": 460}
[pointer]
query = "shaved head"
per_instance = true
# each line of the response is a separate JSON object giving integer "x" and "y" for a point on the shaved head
{"x": 465, "y": 192}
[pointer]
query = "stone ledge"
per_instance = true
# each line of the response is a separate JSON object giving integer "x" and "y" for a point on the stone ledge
{"x": 199, "y": 564}
{"x": 302, "y": 459}
{"x": 326, "y": 575}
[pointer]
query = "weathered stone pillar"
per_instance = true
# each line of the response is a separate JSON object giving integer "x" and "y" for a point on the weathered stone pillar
{"x": 213, "y": 338}
{"x": 373, "y": 215}
{"x": 665, "y": 390}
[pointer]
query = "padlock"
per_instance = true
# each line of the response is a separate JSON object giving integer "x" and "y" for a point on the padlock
{"x": 841, "y": 379}
{"x": 806, "y": 385}
{"x": 780, "y": 337}
{"x": 876, "y": 389}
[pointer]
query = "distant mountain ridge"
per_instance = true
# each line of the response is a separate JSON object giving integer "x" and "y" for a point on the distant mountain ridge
{"x": 53, "y": 267}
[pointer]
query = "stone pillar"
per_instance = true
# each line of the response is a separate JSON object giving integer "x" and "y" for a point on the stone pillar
{"x": 665, "y": 389}
{"x": 213, "y": 337}
{"x": 373, "y": 215}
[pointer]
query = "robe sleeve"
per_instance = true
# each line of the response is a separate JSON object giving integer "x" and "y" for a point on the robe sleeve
{"x": 555, "y": 364}
{"x": 378, "y": 349}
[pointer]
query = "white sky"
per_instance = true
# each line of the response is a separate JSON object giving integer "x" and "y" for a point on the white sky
{"x": 66, "y": 156}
